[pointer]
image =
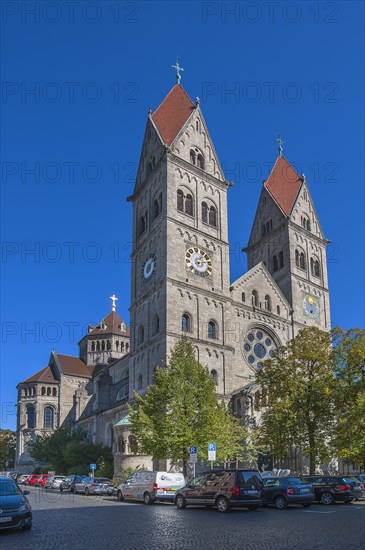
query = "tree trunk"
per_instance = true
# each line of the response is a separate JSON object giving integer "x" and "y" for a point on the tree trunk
{"x": 185, "y": 467}
{"x": 312, "y": 453}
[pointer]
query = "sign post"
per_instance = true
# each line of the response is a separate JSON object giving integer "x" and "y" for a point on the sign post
{"x": 193, "y": 457}
{"x": 93, "y": 468}
{"x": 212, "y": 453}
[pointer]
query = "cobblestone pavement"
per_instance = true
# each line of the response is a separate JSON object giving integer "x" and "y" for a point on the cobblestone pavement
{"x": 76, "y": 522}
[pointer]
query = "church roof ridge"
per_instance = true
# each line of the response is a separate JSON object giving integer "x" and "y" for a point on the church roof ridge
{"x": 43, "y": 375}
{"x": 172, "y": 113}
{"x": 284, "y": 184}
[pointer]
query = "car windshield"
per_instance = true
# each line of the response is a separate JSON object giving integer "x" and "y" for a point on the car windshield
{"x": 351, "y": 480}
{"x": 101, "y": 480}
{"x": 7, "y": 488}
{"x": 296, "y": 481}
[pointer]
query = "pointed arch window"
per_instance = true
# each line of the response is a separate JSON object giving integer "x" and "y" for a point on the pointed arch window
{"x": 212, "y": 330}
{"x": 48, "y": 417}
{"x": 186, "y": 323}
{"x": 31, "y": 417}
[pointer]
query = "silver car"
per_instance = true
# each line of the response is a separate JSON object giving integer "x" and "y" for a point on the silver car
{"x": 94, "y": 486}
{"x": 54, "y": 482}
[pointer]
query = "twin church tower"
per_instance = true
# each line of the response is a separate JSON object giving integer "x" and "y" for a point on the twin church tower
{"x": 180, "y": 284}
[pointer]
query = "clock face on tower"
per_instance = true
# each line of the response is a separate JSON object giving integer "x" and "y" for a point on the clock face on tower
{"x": 198, "y": 262}
{"x": 310, "y": 307}
{"x": 149, "y": 267}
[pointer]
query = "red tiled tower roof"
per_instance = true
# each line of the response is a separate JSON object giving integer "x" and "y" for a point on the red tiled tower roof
{"x": 284, "y": 184}
{"x": 44, "y": 375}
{"x": 172, "y": 114}
{"x": 73, "y": 366}
{"x": 113, "y": 323}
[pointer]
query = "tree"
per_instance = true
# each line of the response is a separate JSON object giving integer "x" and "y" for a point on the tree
{"x": 349, "y": 364}
{"x": 182, "y": 409}
{"x": 300, "y": 383}
{"x": 7, "y": 448}
{"x": 67, "y": 451}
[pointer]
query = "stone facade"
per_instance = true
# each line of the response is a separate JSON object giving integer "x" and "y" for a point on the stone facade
{"x": 180, "y": 284}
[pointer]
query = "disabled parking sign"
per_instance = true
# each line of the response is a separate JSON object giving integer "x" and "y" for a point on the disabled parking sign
{"x": 212, "y": 451}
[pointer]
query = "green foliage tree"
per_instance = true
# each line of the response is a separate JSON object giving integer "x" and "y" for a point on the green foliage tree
{"x": 7, "y": 448}
{"x": 349, "y": 364}
{"x": 181, "y": 409}
{"x": 300, "y": 383}
{"x": 67, "y": 451}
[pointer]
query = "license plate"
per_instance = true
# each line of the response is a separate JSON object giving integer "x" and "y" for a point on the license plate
{"x": 252, "y": 492}
{"x": 357, "y": 489}
{"x": 5, "y": 520}
{"x": 304, "y": 490}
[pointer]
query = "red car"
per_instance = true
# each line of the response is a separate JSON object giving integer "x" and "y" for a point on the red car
{"x": 32, "y": 479}
{"x": 41, "y": 480}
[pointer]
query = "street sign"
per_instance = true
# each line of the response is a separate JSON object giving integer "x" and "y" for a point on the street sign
{"x": 92, "y": 466}
{"x": 193, "y": 454}
{"x": 212, "y": 451}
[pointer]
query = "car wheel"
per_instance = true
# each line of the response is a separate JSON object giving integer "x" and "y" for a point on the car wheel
{"x": 280, "y": 503}
{"x": 147, "y": 498}
{"x": 120, "y": 497}
{"x": 27, "y": 527}
{"x": 307, "y": 504}
{"x": 326, "y": 498}
{"x": 87, "y": 491}
{"x": 223, "y": 505}
{"x": 180, "y": 502}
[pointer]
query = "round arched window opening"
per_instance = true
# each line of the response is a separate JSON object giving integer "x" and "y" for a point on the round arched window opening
{"x": 258, "y": 346}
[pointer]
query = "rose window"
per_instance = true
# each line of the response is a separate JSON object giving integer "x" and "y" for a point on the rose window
{"x": 258, "y": 347}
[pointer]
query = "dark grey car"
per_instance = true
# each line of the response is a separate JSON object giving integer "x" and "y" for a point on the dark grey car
{"x": 281, "y": 491}
{"x": 15, "y": 510}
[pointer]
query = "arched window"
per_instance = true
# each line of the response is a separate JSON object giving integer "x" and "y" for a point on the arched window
{"x": 200, "y": 161}
{"x": 139, "y": 382}
{"x": 31, "y": 417}
{"x": 315, "y": 267}
{"x": 281, "y": 259}
{"x": 186, "y": 323}
{"x": 197, "y": 126}
{"x": 54, "y": 392}
{"x": 204, "y": 212}
{"x": 212, "y": 330}
{"x": 92, "y": 346}
{"x": 156, "y": 324}
{"x": 255, "y": 298}
{"x": 263, "y": 230}
{"x": 127, "y": 347}
{"x": 43, "y": 390}
{"x": 267, "y": 302}
{"x": 48, "y": 417}
{"x": 157, "y": 206}
{"x": 239, "y": 406}
{"x": 275, "y": 264}
{"x": 49, "y": 391}
{"x": 189, "y": 204}
{"x": 142, "y": 223}
{"x": 108, "y": 346}
{"x": 300, "y": 259}
{"x": 103, "y": 345}
{"x": 213, "y": 216}
{"x": 140, "y": 334}
{"x": 117, "y": 345}
{"x": 243, "y": 296}
{"x": 122, "y": 347}
{"x": 192, "y": 157}
{"x": 278, "y": 310}
{"x": 306, "y": 223}
{"x": 97, "y": 346}
{"x": 180, "y": 200}
{"x": 214, "y": 375}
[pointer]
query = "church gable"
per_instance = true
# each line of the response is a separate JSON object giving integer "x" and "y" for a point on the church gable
{"x": 194, "y": 145}
{"x": 268, "y": 217}
{"x": 152, "y": 151}
{"x": 258, "y": 290}
{"x": 304, "y": 213}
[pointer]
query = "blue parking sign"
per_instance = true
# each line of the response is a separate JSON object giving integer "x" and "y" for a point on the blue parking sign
{"x": 193, "y": 450}
{"x": 212, "y": 446}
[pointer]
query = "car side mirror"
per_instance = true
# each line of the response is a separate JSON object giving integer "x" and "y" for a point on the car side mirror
{"x": 26, "y": 492}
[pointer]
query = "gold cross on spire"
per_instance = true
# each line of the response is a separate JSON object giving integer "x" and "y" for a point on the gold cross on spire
{"x": 280, "y": 143}
{"x": 178, "y": 69}
{"x": 113, "y": 299}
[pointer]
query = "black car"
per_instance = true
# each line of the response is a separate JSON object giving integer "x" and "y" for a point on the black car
{"x": 282, "y": 491}
{"x": 15, "y": 510}
{"x": 224, "y": 489}
{"x": 331, "y": 489}
{"x": 69, "y": 483}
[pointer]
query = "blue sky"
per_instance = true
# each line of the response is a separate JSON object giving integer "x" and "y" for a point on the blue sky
{"x": 70, "y": 147}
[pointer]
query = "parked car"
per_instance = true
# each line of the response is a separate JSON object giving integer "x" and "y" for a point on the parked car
{"x": 68, "y": 484}
{"x": 40, "y": 481}
{"x": 331, "y": 489}
{"x": 281, "y": 491}
{"x": 224, "y": 489}
{"x": 14, "y": 505}
{"x": 32, "y": 479}
{"x": 150, "y": 486}
{"x": 22, "y": 479}
{"x": 53, "y": 482}
{"x": 92, "y": 486}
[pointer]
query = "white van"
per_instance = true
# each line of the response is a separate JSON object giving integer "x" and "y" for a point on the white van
{"x": 150, "y": 486}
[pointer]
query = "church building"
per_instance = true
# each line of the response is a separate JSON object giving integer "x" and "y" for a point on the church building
{"x": 180, "y": 284}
